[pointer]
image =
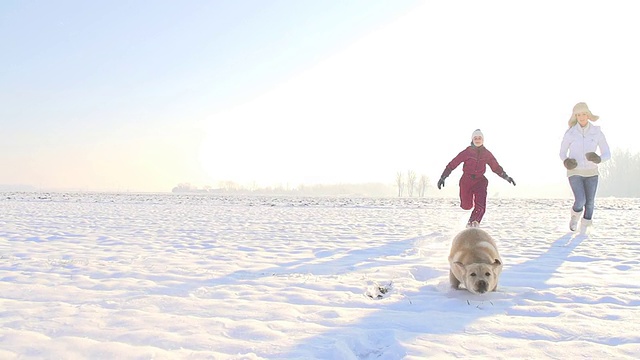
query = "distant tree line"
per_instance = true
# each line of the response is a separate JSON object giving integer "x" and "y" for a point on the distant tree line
{"x": 233, "y": 188}
{"x": 407, "y": 185}
{"x": 411, "y": 184}
{"x": 620, "y": 175}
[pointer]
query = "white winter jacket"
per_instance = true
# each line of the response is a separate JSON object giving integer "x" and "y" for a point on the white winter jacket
{"x": 577, "y": 142}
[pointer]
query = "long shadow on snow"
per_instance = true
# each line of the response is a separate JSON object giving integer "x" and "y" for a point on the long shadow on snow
{"x": 378, "y": 335}
{"x": 331, "y": 264}
{"x": 536, "y": 272}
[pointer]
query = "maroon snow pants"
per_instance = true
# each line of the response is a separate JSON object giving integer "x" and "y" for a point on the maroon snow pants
{"x": 473, "y": 194}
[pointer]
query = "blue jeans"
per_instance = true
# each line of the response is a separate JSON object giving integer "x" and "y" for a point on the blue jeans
{"x": 584, "y": 192}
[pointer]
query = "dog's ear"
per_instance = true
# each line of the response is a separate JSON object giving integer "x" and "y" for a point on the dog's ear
{"x": 458, "y": 269}
{"x": 497, "y": 267}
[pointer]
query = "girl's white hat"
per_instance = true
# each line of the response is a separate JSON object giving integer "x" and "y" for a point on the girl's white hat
{"x": 477, "y": 132}
{"x": 581, "y": 108}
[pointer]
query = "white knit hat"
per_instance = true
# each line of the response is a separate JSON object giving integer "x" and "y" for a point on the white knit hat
{"x": 477, "y": 132}
{"x": 581, "y": 108}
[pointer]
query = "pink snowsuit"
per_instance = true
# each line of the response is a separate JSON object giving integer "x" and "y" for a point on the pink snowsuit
{"x": 473, "y": 183}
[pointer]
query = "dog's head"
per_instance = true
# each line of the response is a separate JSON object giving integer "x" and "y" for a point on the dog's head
{"x": 478, "y": 277}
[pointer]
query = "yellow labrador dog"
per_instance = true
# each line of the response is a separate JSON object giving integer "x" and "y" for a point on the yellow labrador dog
{"x": 474, "y": 261}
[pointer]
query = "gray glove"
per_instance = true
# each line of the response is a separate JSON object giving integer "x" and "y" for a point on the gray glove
{"x": 593, "y": 157}
{"x": 441, "y": 182}
{"x": 570, "y": 163}
{"x": 508, "y": 178}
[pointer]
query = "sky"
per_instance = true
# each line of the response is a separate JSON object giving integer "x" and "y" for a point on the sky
{"x": 142, "y": 96}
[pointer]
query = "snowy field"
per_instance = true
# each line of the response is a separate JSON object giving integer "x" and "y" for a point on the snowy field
{"x": 165, "y": 276}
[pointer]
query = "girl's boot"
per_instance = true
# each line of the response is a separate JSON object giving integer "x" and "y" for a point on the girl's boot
{"x": 585, "y": 225}
{"x": 573, "y": 223}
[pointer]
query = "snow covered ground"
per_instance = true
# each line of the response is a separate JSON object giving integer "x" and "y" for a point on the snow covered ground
{"x": 165, "y": 276}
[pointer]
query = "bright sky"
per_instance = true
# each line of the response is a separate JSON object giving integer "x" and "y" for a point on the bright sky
{"x": 141, "y": 96}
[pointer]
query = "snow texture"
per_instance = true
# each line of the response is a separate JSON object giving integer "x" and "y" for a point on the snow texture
{"x": 165, "y": 276}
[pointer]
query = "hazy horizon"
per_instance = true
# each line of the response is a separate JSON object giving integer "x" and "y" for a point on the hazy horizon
{"x": 125, "y": 96}
{"x": 449, "y": 192}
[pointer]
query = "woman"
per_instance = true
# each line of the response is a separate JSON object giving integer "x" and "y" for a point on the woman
{"x": 578, "y": 152}
{"x": 473, "y": 183}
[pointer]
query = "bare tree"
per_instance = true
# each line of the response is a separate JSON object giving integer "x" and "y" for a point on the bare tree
{"x": 411, "y": 182}
{"x": 253, "y": 186}
{"x": 229, "y": 185}
{"x": 422, "y": 186}
{"x": 399, "y": 183}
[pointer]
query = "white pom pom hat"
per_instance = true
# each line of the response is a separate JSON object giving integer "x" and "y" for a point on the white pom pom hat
{"x": 477, "y": 132}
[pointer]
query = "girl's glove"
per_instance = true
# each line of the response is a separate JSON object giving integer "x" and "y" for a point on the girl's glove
{"x": 593, "y": 157}
{"x": 508, "y": 178}
{"x": 570, "y": 163}
{"x": 441, "y": 182}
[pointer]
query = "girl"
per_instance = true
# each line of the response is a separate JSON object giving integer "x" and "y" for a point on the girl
{"x": 473, "y": 183}
{"x": 578, "y": 152}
